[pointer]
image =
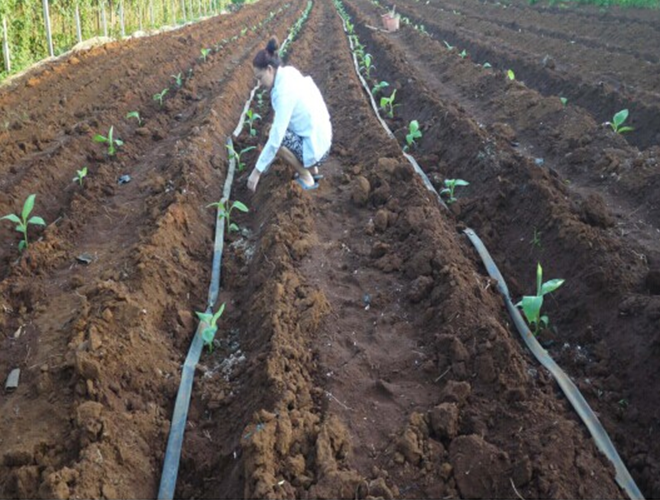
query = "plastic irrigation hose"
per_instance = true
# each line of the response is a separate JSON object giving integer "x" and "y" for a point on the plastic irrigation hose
{"x": 182, "y": 404}
{"x": 605, "y": 445}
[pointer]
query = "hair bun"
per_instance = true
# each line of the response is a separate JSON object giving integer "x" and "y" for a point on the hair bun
{"x": 272, "y": 46}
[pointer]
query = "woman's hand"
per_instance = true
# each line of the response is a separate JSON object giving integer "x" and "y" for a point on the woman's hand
{"x": 253, "y": 180}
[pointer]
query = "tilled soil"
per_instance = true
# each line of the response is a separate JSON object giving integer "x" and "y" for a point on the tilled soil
{"x": 363, "y": 351}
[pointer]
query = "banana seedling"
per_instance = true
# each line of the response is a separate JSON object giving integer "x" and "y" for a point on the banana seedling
{"x": 260, "y": 99}
{"x": 178, "y": 79}
{"x": 160, "y": 96}
{"x": 379, "y": 87}
{"x": 225, "y": 210}
{"x": 366, "y": 65}
{"x": 617, "y": 122}
{"x": 531, "y": 304}
{"x": 208, "y": 334}
{"x": 23, "y": 222}
{"x": 237, "y": 156}
{"x": 387, "y": 104}
{"x": 136, "y": 115}
{"x": 80, "y": 175}
{"x": 110, "y": 141}
{"x": 251, "y": 118}
{"x": 450, "y": 186}
{"x": 413, "y": 134}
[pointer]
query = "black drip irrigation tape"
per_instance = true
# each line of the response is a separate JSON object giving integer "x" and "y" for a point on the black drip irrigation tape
{"x": 572, "y": 393}
{"x": 182, "y": 404}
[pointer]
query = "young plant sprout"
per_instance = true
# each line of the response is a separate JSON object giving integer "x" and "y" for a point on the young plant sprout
{"x": 205, "y": 53}
{"x": 463, "y": 54}
{"x": 488, "y": 65}
{"x": 531, "y": 305}
{"x": 110, "y": 141}
{"x": 450, "y": 186}
{"x": 208, "y": 334}
{"x": 251, "y": 118}
{"x": 23, "y": 222}
{"x": 136, "y": 115}
{"x": 536, "y": 239}
{"x": 366, "y": 65}
{"x": 260, "y": 99}
{"x": 511, "y": 75}
{"x": 178, "y": 79}
{"x": 379, "y": 87}
{"x": 387, "y": 104}
{"x": 449, "y": 47}
{"x": 80, "y": 175}
{"x": 159, "y": 96}
{"x": 413, "y": 133}
{"x": 237, "y": 156}
{"x": 225, "y": 209}
{"x": 564, "y": 101}
{"x": 617, "y": 122}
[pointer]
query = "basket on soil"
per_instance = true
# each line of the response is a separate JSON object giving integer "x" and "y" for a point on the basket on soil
{"x": 391, "y": 21}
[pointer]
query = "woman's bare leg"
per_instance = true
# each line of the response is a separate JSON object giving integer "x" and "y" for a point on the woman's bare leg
{"x": 286, "y": 154}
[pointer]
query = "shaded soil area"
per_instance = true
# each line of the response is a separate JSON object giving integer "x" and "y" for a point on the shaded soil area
{"x": 363, "y": 352}
{"x": 594, "y": 76}
{"x": 532, "y": 205}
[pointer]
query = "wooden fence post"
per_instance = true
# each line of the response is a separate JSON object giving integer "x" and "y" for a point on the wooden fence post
{"x": 49, "y": 35}
{"x": 121, "y": 19}
{"x": 105, "y": 20}
{"x": 5, "y": 45}
{"x": 78, "y": 29}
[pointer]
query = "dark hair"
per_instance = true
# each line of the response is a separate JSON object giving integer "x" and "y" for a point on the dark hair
{"x": 268, "y": 56}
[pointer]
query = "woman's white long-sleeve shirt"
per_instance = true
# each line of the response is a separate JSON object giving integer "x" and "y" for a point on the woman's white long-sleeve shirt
{"x": 299, "y": 107}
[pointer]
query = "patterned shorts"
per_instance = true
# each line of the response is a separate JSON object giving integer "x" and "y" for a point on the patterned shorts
{"x": 294, "y": 143}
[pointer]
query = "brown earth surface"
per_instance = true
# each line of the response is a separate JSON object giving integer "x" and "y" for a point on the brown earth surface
{"x": 364, "y": 352}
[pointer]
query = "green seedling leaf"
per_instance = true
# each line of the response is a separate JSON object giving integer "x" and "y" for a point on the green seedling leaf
{"x": 136, "y": 115}
{"x": 240, "y": 206}
{"x": 488, "y": 65}
{"x": 12, "y": 218}
{"x": 511, "y": 75}
{"x": 37, "y": 221}
{"x": 28, "y": 206}
{"x": 563, "y": 100}
{"x": 551, "y": 286}
{"x": 463, "y": 54}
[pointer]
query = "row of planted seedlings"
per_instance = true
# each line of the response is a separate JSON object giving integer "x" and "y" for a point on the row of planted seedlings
{"x": 249, "y": 135}
{"x": 225, "y": 226}
{"x": 616, "y": 124}
{"x": 531, "y": 305}
{"x": 112, "y": 143}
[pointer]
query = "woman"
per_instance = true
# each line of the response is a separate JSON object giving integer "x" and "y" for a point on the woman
{"x": 301, "y": 133}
